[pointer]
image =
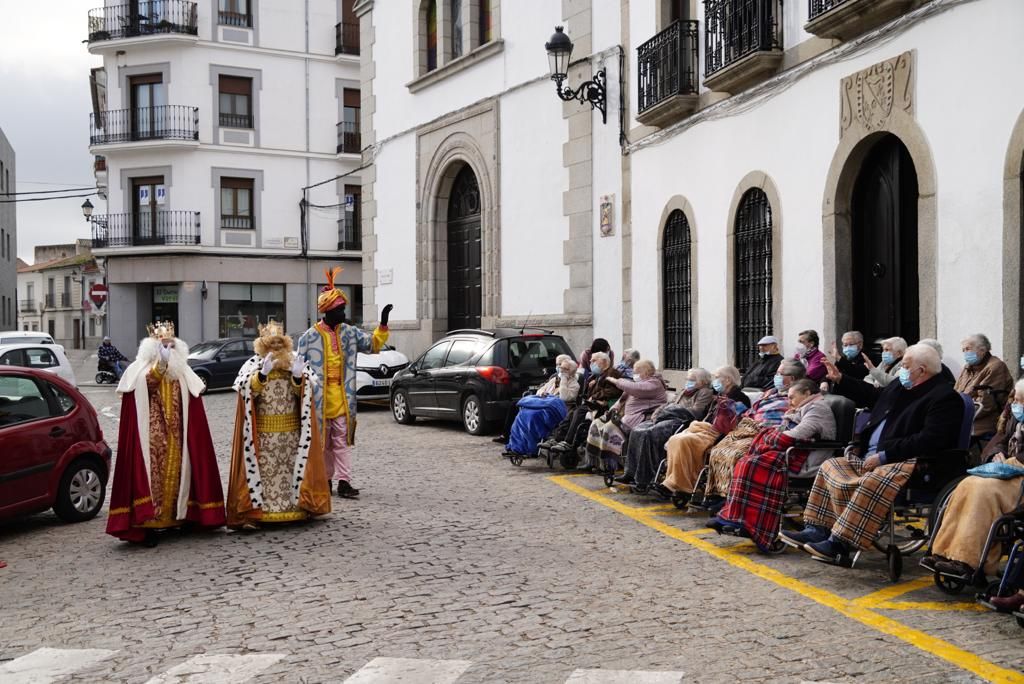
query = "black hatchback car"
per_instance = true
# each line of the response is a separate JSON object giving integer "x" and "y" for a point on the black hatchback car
{"x": 217, "y": 362}
{"x": 475, "y": 375}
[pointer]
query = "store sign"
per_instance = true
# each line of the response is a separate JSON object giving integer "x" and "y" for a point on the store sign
{"x": 165, "y": 294}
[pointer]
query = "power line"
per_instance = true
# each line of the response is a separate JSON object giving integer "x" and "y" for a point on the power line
{"x": 27, "y": 182}
{"x": 44, "y": 199}
{"x": 47, "y": 192}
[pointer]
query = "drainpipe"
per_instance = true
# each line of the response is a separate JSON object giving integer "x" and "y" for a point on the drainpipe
{"x": 305, "y": 250}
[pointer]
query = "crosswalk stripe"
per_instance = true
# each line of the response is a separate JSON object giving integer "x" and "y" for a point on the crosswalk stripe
{"x": 624, "y": 677}
{"x": 46, "y": 665}
{"x": 409, "y": 671}
{"x": 217, "y": 669}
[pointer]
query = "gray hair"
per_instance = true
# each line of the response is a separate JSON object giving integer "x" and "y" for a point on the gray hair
{"x": 1019, "y": 387}
{"x": 978, "y": 342}
{"x": 926, "y": 356}
{"x": 933, "y": 343}
{"x": 730, "y": 374}
{"x": 630, "y": 357}
{"x": 566, "y": 360}
{"x": 793, "y": 369}
{"x": 602, "y": 358}
{"x": 857, "y": 335}
{"x": 644, "y": 364}
{"x": 701, "y": 376}
{"x": 897, "y": 344}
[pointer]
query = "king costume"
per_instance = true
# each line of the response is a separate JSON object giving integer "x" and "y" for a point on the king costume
{"x": 330, "y": 348}
{"x": 277, "y": 469}
{"x": 166, "y": 472}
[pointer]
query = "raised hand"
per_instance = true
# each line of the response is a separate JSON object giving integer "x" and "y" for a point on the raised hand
{"x": 831, "y": 372}
{"x": 268, "y": 365}
{"x": 867, "y": 362}
{"x": 298, "y": 367}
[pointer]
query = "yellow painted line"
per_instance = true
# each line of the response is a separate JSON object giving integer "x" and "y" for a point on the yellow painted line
{"x": 921, "y": 640}
{"x": 930, "y": 605}
{"x": 893, "y": 591}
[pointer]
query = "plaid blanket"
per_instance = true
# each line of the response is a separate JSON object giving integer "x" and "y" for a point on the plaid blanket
{"x": 757, "y": 491}
{"x": 855, "y": 502}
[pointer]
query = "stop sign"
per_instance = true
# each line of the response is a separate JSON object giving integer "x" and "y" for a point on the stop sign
{"x": 98, "y": 294}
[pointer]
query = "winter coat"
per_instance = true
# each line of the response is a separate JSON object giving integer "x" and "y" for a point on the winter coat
{"x": 761, "y": 373}
{"x": 813, "y": 421}
{"x": 991, "y": 372}
{"x": 639, "y": 399}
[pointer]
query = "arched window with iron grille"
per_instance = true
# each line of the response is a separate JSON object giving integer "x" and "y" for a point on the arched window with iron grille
{"x": 753, "y": 272}
{"x": 675, "y": 278}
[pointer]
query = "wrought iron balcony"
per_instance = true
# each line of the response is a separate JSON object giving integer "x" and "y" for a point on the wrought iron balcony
{"x": 819, "y": 7}
{"x": 166, "y": 122}
{"x": 743, "y": 42}
{"x": 27, "y": 305}
{"x": 846, "y": 19}
{"x": 65, "y": 299}
{"x": 146, "y": 229}
{"x": 236, "y": 120}
{"x": 667, "y": 67}
{"x": 350, "y": 236}
{"x": 237, "y": 19}
{"x": 142, "y": 18}
{"x": 349, "y": 138}
{"x": 48, "y": 300}
{"x": 346, "y": 38}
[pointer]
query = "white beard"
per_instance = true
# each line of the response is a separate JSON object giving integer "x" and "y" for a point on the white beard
{"x": 177, "y": 364}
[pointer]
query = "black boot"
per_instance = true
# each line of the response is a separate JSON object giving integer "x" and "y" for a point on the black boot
{"x": 346, "y": 490}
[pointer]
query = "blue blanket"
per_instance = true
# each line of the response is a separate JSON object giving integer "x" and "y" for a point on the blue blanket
{"x": 1002, "y": 471}
{"x": 537, "y": 417}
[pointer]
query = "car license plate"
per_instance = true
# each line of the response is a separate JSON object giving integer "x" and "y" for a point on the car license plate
{"x": 382, "y": 383}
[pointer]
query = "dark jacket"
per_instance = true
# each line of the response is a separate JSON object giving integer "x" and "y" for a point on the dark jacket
{"x": 601, "y": 394}
{"x": 923, "y": 421}
{"x": 855, "y": 368}
{"x": 739, "y": 396}
{"x": 762, "y": 373}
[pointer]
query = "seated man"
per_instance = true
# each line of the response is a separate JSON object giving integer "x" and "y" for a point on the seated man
{"x": 761, "y": 373}
{"x": 851, "y": 360}
{"x": 112, "y": 356}
{"x": 919, "y": 415}
{"x": 987, "y": 380}
{"x": 598, "y": 395}
{"x": 977, "y": 502}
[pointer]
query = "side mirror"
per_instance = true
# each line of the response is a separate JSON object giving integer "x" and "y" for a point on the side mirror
{"x": 218, "y": 358}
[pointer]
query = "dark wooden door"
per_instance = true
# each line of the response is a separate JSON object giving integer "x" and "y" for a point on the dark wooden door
{"x": 885, "y": 287}
{"x": 145, "y": 214}
{"x": 464, "y": 253}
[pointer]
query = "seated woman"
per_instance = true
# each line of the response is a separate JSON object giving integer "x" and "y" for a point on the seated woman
{"x": 598, "y": 395}
{"x": 892, "y": 355}
{"x": 563, "y": 384}
{"x": 978, "y": 501}
{"x": 646, "y": 445}
{"x": 629, "y": 359}
{"x": 685, "y": 451}
{"x": 810, "y": 356}
{"x": 535, "y": 416}
{"x": 767, "y": 411}
{"x": 640, "y": 397}
{"x": 757, "y": 493}
{"x": 987, "y": 380}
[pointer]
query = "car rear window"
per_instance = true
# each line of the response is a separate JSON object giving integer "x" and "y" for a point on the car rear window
{"x": 21, "y": 401}
{"x": 534, "y": 353}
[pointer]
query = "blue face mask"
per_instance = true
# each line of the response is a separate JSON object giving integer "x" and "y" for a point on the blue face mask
{"x": 595, "y": 369}
{"x": 904, "y": 376}
{"x": 690, "y": 385}
{"x": 888, "y": 358}
{"x": 717, "y": 386}
{"x": 970, "y": 357}
{"x": 1018, "y": 411}
{"x": 850, "y": 352}
{"x": 780, "y": 384}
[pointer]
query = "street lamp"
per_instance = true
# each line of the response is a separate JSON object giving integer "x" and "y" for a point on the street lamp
{"x": 87, "y": 209}
{"x": 559, "y": 49}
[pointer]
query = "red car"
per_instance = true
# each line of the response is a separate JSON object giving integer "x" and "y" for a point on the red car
{"x": 52, "y": 453}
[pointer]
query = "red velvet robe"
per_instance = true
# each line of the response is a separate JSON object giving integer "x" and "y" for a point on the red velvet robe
{"x": 131, "y": 504}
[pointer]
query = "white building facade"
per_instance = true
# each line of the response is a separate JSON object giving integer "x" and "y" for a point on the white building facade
{"x": 823, "y": 164}
{"x": 211, "y": 119}
{"x": 8, "y": 237}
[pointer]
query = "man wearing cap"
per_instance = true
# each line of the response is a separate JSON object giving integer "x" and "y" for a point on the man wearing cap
{"x": 330, "y": 348}
{"x": 761, "y": 373}
{"x": 112, "y": 356}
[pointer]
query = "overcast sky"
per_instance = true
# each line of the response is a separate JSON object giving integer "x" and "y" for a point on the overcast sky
{"x": 44, "y": 112}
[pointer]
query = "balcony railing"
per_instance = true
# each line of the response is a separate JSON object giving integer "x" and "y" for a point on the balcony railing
{"x": 738, "y": 28}
{"x": 349, "y": 234}
{"x": 819, "y": 7}
{"x": 346, "y": 38}
{"x": 233, "y": 222}
{"x": 166, "y": 122}
{"x": 48, "y": 300}
{"x": 349, "y": 139}
{"x": 667, "y": 64}
{"x": 236, "y": 120}
{"x": 27, "y": 305}
{"x": 142, "y": 18}
{"x": 146, "y": 228}
{"x": 238, "y": 19}
{"x": 65, "y": 299}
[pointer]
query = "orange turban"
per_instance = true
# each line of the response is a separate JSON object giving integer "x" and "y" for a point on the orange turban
{"x": 330, "y": 296}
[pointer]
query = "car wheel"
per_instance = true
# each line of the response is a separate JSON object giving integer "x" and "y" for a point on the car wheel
{"x": 400, "y": 408}
{"x": 472, "y": 416}
{"x": 81, "y": 491}
{"x": 206, "y": 381}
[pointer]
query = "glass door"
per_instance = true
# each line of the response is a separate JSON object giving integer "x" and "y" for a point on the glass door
{"x": 148, "y": 100}
{"x": 145, "y": 224}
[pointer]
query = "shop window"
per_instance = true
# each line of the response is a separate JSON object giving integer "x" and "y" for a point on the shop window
{"x": 245, "y": 306}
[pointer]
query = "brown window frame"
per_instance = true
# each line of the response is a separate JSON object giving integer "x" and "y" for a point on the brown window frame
{"x": 236, "y": 221}
{"x": 235, "y": 86}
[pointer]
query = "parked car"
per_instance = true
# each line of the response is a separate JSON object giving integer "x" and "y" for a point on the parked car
{"x": 475, "y": 375}
{"x": 375, "y": 372}
{"x": 54, "y": 455}
{"x": 25, "y": 337}
{"x": 217, "y": 362}
{"x": 47, "y": 357}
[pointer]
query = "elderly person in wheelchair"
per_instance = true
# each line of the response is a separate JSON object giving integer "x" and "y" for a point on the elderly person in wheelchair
{"x": 598, "y": 394}
{"x": 640, "y": 398}
{"x": 977, "y": 502}
{"x": 920, "y": 415}
{"x": 563, "y": 384}
{"x": 758, "y": 491}
{"x": 987, "y": 380}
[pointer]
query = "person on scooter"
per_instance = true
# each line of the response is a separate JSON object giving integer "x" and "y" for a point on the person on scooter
{"x": 112, "y": 356}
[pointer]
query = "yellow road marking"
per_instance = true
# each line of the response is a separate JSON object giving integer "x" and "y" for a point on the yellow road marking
{"x": 921, "y": 640}
{"x": 891, "y": 592}
{"x": 929, "y": 605}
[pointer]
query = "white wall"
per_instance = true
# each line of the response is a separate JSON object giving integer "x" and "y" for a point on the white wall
{"x": 395, "y": 225}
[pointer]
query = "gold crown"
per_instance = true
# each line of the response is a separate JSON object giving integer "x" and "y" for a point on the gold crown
{"x": 271, "y": 329}
{"x": 161, "y": 330}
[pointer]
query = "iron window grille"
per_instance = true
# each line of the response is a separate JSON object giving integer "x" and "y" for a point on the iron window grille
{"x": 667, "y": 64}
{"x": 676, "y": 292}
{"x": 818, "y": 7}
{"x": 142, "y": 18}
{"x": 753, "y": 273}
{"x": 737, "y": 28}
{"x": 164, "y": 122}
{"x": 346, "y": 38}
{"x": 349, "y": 138}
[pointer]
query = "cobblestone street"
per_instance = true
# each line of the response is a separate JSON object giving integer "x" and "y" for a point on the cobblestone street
{"x": 482, "y": 572}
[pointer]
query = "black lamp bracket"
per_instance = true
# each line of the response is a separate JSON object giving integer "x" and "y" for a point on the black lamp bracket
{"x": 592, "y": 91}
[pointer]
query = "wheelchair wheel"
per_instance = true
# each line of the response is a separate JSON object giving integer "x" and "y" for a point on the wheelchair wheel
{"x": 680, "y": 500}
{"x": 567, "y": 459}
{"x": 949, "y": 585}
{"x": 517, "y": 459}
{"x": 639, "y": 489}
{"x": 1020, "y": 620}
{"x": 992, "y": 590}
{"x": 895, "y": 561}
{"x": 550, "y": 458}
{"x": 778, "y": 547}
{"x": 609, "y": 478}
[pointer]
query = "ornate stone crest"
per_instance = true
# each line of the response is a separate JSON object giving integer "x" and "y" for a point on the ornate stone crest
{"x": 871, "y": 97}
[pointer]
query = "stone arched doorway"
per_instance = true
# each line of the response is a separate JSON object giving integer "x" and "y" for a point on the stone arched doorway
{"x": 463, "y": 237}
{"x": 884, "y": 290}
